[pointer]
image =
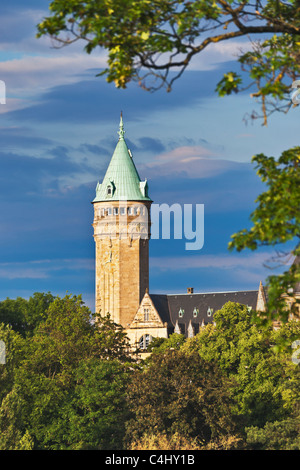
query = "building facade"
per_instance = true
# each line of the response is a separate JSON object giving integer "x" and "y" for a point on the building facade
{"x": 122, "y": 225}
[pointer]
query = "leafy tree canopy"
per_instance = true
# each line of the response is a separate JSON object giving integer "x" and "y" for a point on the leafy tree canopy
{"x": 179, "y": 393}
{"x": 25, "y": 315}
{"x": 63, "y": 386}
{"x": 276, "y": 221}
{"x": 148, "y": 39}
{"x": 72, "y": 384}
{"x": 249, "y": 355}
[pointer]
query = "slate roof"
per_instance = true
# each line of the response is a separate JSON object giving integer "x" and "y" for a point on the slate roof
{"x": 197, "y": 308}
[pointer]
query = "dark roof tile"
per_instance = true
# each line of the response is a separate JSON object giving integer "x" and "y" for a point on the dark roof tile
{"x": 197, "y": 308}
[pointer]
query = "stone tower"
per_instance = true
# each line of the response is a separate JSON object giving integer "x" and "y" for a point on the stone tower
{"x": 121, "y": 233}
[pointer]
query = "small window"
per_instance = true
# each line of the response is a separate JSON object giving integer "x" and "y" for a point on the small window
{"x": 109, "y": 190}
{"x": 108, "y": 211}
{"x": 195, "y": 312}
{"x": 130, "y": 210}
{"x": 209, "y": 311}
{"x": 181, "y": 312}
{"x": 146, "y": 314}
{"x": 116, "y": 211}
{"x": 123, "y": 210}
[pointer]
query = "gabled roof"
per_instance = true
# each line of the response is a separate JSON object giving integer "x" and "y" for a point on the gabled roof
{"x": 121, "y": 176}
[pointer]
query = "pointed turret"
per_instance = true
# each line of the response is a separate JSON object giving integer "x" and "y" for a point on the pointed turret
{"x": 122, "y": 181}
{"x": 261, "y": 303}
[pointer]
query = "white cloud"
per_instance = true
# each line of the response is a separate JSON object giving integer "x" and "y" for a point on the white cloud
{"x": 193, "y": 161}
{"x": 217, "y": 53}
{"x": 30, "y": 74}
{"x": 43, "y": 269}
{"x": 31, "y": 65}
{"x": 185, "y": 153}
{"x": 224, "y": 262}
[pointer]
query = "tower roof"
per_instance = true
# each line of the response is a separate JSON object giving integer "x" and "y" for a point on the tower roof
{"x": 121, "y": 180}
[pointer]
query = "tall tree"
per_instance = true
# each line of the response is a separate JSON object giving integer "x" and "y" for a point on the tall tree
{"x": 244, "y": 353}
{"x": 63, "y": 387}
{"x": 25, "y": 315}
{"x": 179, "y": 393}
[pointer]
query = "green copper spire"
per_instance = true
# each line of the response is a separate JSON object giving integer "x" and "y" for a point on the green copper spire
{"x": 121, "y": 129}
{"x": 121, "y": 181}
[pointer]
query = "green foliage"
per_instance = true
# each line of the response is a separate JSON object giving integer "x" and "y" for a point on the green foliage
{"x": 98, "y": 405}
{"x": 277, "y": 216}
{"x": 62, "y": 386}
{"x": 247, "y": 355}
{"x": 179, "y": 393}
{"x": 279, "y": 435}
{"x": 228, "y": 84}
{"x": 276, "y": 220}
{"x": 158, "y": 345}
{"x": 159, "y": 441}
{"x": 146, "y": 40}
{"x": 14, "y": 346}
{"x": 24, "y": 315}
{"x": 71, "y": 384}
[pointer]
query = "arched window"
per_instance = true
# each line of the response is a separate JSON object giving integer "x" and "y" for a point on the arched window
{"x": 109, "y": 190}
{"x": 144, "y": 341}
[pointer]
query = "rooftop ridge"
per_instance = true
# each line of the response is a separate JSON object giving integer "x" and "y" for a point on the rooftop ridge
{"x": 212, "y": 292}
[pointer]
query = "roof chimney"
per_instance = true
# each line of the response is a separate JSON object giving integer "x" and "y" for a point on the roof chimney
{"x": 190, "y": 290}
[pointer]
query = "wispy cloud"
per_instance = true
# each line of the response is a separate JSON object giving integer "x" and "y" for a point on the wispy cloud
{"x": 223, "y": 262}
{"x": 217, "y": 53}
{"x": 30, "y": 74}
{"x": 213, "y": 273}
{"x": 43, "y": 269}
{"x": 194, "y": 161}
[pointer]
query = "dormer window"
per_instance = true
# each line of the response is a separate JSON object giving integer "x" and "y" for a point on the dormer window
{"x": 181, "y": 312}
{"x": 209, "y": 311}
{"x": 109, "y": 190}
{"x": 195, "y": 312}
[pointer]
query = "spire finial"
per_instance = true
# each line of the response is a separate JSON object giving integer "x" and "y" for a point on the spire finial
{"x": 121, "y": 129}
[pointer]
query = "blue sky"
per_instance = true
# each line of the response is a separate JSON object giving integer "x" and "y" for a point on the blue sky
{"x": 58, "y": 130}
